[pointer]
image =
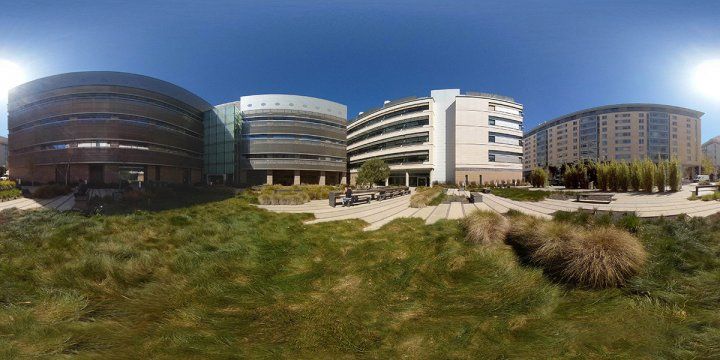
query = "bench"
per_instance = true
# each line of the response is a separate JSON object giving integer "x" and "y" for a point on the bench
{"x": 697, "y": 188}
{"x": 391, "y": 192}
{"x": 358, "y": 196}
{"x": 592, "y": 197}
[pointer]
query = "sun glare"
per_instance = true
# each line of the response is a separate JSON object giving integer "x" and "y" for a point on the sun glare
{"x": 11, "y": 75}
{"x": 707, "y": 78}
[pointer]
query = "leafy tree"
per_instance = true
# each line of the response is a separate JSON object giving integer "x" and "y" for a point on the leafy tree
{"x": 373, "y": 171}
{"x": 707, "y": 166}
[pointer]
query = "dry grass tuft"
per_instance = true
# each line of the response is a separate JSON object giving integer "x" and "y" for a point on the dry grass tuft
{"x": 486, "y": 228}
{"x": 423, "y": 196}
{"x": 606, "y": 257}
{"x": 594, "y": 258}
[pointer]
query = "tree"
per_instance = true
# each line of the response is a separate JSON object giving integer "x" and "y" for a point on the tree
{"x": 707, "y": 166}
{"x": 373, "y": 171}
{"x": 538, "y": 177}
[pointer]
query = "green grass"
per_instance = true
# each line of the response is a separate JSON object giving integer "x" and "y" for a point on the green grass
{"x": 224, "y": 279}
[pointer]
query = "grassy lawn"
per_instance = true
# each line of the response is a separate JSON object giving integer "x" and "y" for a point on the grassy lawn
{"x": 224, "y": 279}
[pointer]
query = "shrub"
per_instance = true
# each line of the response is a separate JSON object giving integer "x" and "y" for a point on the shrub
{"x": 423, "y": 198}
{"x": 7, "y": 184}
{"x": 538, "y": 177}
{"x": 283, "y": 198}
{"x": 51, "y": 191}
{"x": 485, "y": 228}
{"x": 599, "y": 257}
{"x": 9, "y": 194}
{"x": 660, "y": 176}
{"x": 710, "y": 197}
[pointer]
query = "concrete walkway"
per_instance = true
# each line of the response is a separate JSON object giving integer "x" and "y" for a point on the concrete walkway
{"x": 61, "y": 203}
{"x": 377, "y": 214}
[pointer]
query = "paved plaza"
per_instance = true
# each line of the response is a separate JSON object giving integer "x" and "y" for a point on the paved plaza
{"x": 61, "y": 203}
{"x": 377, "y": 214}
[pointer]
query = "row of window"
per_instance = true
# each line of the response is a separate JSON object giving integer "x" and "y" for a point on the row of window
{"x": 504, "y": 156}
{"x": 293, "y": 119}
{"x": 409, "y": 124}
{"x": 507, "y": 123}
{"x": 409, "y": 141}
{"x": 293, "y": 137}
{"x": 110, "y": 96}
{"x": 104, "y": 118}
{"x": 107, "y": 144}
{"x": 398, "y": 160}
{"x": 294, "y": 156}
{"x": 389, "y": 115}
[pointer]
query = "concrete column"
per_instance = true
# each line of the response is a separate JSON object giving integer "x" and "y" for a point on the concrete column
{"x": 343, "y": 179}
{"x": 387, "y": 182}
{"x": 269, "y": 180}
{"x": 322, "y": 178}
{"x": 296, "y": 178}
{"x": 243, "y": 177}
{"x": 407, "y": 178}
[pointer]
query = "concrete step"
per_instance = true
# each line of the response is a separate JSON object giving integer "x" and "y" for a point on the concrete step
{"x": 440, "y": 212}
{"x": 408, "y": 212}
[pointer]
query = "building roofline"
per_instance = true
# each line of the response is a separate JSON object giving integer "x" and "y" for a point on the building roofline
{"x": 111, "y": 78}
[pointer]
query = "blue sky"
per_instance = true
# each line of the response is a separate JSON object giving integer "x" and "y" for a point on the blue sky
{"x": 554, "y": 57}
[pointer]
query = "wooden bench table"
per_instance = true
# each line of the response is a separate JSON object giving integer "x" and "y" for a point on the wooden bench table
{"x": 592, "y": 197}
{"x": 697, "y": 188}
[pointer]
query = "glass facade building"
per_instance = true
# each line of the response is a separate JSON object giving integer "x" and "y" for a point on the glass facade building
{"x": 222, "y": 126}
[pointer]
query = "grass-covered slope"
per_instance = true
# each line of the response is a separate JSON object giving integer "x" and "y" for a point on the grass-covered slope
{"x": 225, "y": 279}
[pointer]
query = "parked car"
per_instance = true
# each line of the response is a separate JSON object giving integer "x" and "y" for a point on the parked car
{"x": 699, "y": 178}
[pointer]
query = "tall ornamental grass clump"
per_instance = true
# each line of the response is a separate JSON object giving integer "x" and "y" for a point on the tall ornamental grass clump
{"x": 660, "y": 176}
{"x": 625, "y": 176}
{"x": 674, "y": 172}
{"x": 635, "y": 175}
{"x": 539, "y": 178}
{"x": 647, "y": 172}
{"x": 599, "y": 257}
{"x": 576, "y": 176}
{"x": 485, "y": 228}
{"x": 602, "y": 172}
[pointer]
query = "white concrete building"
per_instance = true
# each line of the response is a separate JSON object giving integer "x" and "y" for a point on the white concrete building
{"x": 711, "y": 149}
{"x": 446, "y": 137}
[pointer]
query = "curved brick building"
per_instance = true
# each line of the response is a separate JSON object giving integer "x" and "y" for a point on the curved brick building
{"x": 105, "y": 127}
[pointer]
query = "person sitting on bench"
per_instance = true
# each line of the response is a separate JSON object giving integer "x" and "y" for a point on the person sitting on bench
{"x": 347, "y": 200}
{"x": 82, "y": 188}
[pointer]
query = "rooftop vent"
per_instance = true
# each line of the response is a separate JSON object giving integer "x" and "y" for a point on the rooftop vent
{"x": 386, "y": 102}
